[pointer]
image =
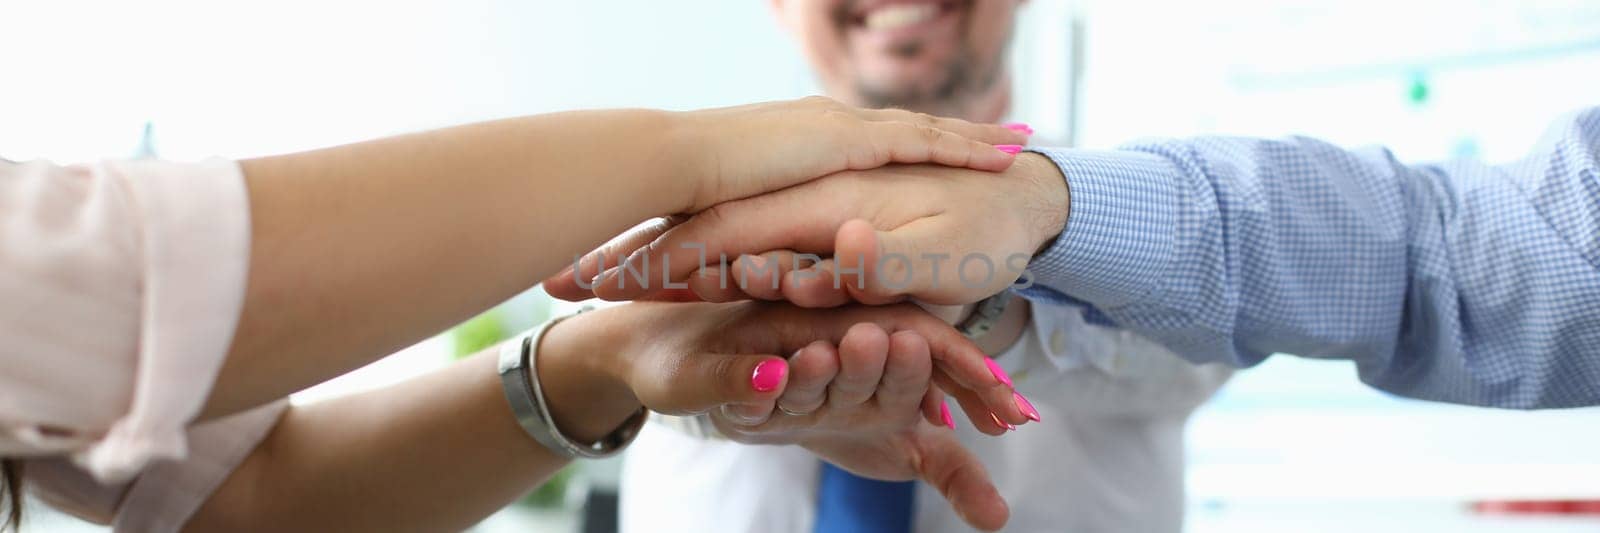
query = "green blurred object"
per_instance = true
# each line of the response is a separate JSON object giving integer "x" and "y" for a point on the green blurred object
{"x": 1417, "y": 93}
{"x": 553, "y": 493}
{"x": 479, "y": 333}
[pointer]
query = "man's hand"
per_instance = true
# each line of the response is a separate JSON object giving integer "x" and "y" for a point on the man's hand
{"x": 940, "y": 235}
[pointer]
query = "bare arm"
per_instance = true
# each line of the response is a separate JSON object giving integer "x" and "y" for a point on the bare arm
{"x": 396, "y": 239}
{"x": 363, "y": 249}
{"x": 442, "y": 451}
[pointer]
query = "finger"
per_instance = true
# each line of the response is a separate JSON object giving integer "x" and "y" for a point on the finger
{"x": 747, "y": 277}
{"x": 811, "y": 370}
{"x": 960, "y": 477}
{"x": 574, "y": 283}
{"x": 729, "y": 229}
{"x": 862, "y": 353}
{"x": 956, "y": 356}
{"x": 817, "y": 286}
{"x": 973, "y": 406}
{"x": 679, "y": 295}
{"x": 935, "y": 410}
{"x": 906, "y": 374}
{"x": 712, "y": 284}
{"x": 1001, "y": 400}
{"x": 902, "y": 142}
{"x": 879, "y": 268}
{"x": 709, "y": 381}
{"x": 748, "y": 414}
{"x": 988, "y": 133}
{"x": 763, "y": 279}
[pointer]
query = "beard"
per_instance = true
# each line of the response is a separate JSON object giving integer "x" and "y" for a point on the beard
{"x": 962, "y": 80}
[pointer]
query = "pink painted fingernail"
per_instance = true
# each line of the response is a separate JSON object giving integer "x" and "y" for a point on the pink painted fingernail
{"x": 1018, "y": 127}
{"x": 1026, "y": 407}
{"x": 999, "y": 373}
{"x": 1001, "y": 423}
{"x": 768, "y": 375}
{"x": 944, "y": 415}
{"x": 1009, "y": 148}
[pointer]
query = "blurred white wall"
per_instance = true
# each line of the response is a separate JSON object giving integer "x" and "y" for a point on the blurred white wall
{"x": 79, "y": 78}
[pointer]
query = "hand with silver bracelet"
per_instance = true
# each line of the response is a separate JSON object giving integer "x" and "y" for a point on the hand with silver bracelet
{"x": 851, "y": 392}
{"x": 378, "y": 460}
{"x": 692, "y": 358}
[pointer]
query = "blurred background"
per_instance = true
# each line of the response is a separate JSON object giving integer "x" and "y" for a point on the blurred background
{"x": 1293, "y": 445}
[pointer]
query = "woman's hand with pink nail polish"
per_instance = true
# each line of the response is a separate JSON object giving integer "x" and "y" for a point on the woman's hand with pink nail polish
{"x": 752, "y": 149}
{"x": 868, "y": 406}
{"x": 684, "y": 358}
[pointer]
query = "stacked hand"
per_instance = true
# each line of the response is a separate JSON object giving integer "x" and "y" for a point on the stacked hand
{"x": 956, "y": 236}
{"x": 739, "y": 152}
{"x": 853, "y": 388}
{"x": 851, "y": 393}
{"x": 939, "y": 235}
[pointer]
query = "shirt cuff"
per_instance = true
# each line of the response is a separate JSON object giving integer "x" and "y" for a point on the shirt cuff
{"x": 167, "y": 494}
{"x": 194, "y": 237}
{"x": 1120, "y": 227}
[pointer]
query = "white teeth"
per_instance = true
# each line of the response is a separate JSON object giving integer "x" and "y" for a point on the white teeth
{"x": 896, "y": 16}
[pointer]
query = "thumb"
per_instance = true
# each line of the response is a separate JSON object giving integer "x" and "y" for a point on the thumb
{"x": 881, "y": 267}
{"x": 710, "y": 381}
{"x": 961, "y": 478}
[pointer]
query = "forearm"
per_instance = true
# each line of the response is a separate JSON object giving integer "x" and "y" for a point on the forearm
{"x": 436, "y": 453}
{"x": 396, "y": 239}
{"x": 1463, "y": 282}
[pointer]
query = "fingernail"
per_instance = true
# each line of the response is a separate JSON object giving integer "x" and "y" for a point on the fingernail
{"x": 1018, "y": 127}
{"x": 1026, "y": 407}
{"x": 1009, "y": 148}
{"x": 944, "y": 415}
{"x": 604, "y": 275}
{"x": 999, "y": 373}
{"x": 1001, "y": 423}
{"x": 768, "y": 375}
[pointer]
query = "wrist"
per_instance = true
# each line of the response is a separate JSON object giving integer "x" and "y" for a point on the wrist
{"x": 1048, "y": 199}
{"x": 692, "y": 162}
{"x": 577, "y": 369}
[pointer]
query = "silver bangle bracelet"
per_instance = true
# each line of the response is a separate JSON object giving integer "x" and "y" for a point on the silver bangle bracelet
{"x": 519, "y": 377}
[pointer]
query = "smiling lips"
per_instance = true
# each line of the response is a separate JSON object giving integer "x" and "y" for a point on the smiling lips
{"x": 894, "y": 15}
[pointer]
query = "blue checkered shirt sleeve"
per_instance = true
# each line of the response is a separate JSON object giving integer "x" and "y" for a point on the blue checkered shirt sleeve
{"x": 1460, "y": 282}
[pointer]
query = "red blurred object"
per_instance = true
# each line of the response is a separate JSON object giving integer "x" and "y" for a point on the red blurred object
{"x": 1562, "y": 507}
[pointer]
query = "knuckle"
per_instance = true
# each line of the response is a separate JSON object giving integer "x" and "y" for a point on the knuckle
{"x": 840, "y": 116}
{"x": 816, "y": 100}
{"x": 726, "y": 372}
{"x": 709, "y": 222}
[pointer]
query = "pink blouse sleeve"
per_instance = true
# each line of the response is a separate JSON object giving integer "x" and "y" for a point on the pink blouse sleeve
{"x": 167, "y": 493}
{"x": 123, "y": 283}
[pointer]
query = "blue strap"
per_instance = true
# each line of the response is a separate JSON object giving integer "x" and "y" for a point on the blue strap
{"x": 847, "y": 503}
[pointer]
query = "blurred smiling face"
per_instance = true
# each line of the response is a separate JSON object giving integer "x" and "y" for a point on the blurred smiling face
{"x": 917, "y": 54}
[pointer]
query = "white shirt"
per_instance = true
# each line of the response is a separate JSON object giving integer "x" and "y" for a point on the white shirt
{"x": 1108, "y": 455}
